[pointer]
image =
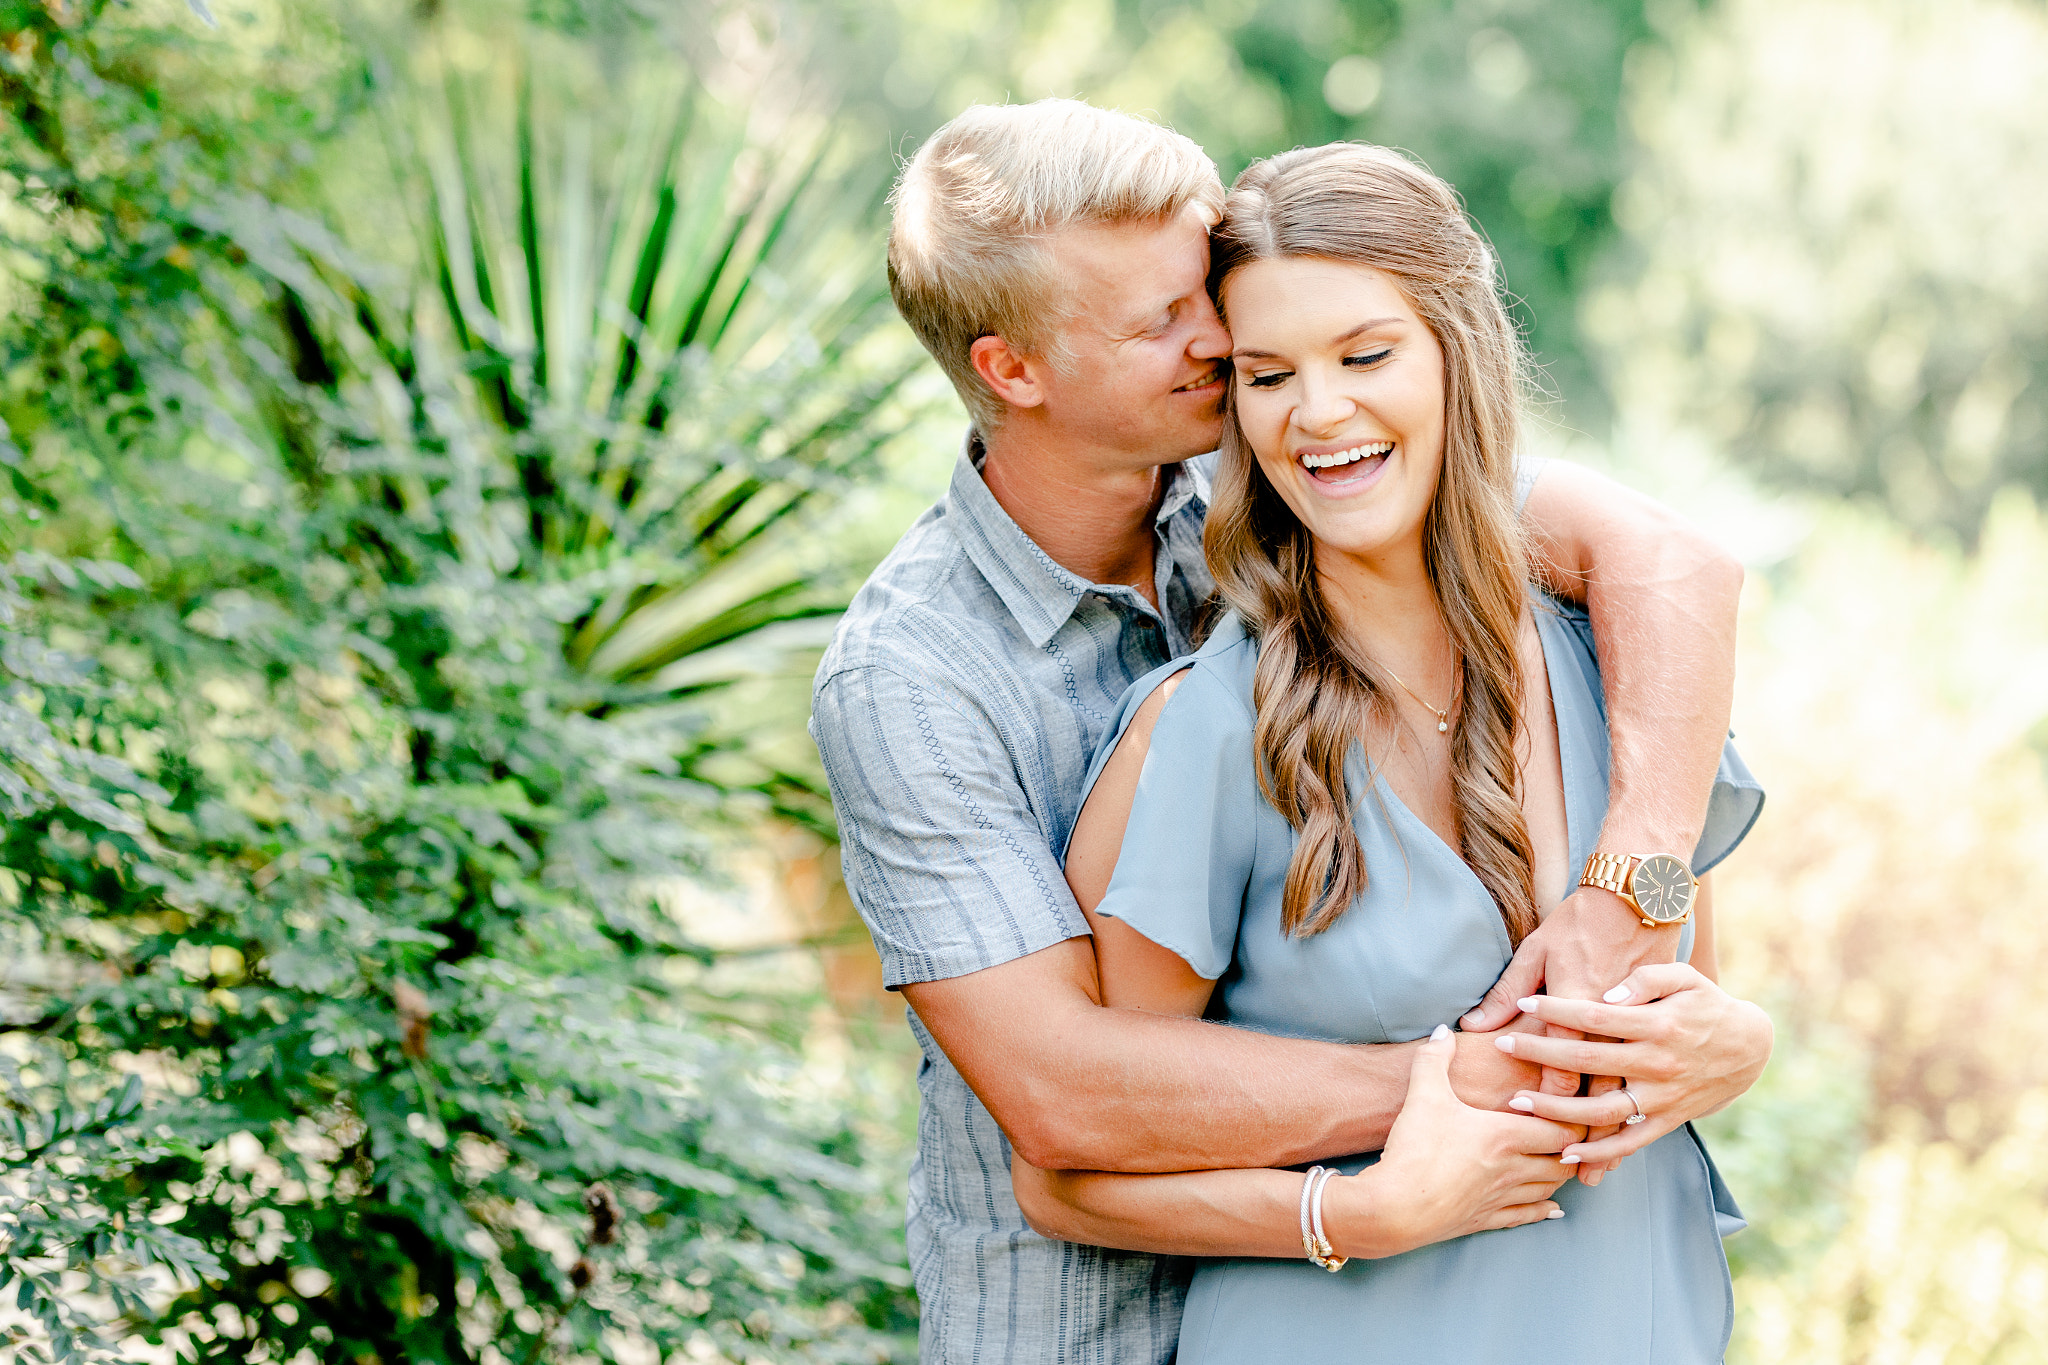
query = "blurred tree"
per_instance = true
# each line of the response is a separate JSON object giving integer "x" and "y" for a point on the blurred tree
{"x": 1517, "y": 105}
{"x": 367, "y": 610}
{"x": 1833, "y": 274}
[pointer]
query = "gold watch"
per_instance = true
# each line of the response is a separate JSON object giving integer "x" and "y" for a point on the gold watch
{"x": 1659, "y": 888}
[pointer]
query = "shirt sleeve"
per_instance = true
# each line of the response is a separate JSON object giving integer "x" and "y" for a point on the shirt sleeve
{"x": 1191, "y": 843}
{"x": 943, "y": 856}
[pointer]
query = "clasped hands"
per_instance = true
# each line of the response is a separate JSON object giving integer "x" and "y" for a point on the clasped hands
{"x": 1479, "y": 1144}
{"x": 1685, "y": 1047}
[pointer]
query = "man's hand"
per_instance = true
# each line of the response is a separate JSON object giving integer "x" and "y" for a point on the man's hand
{"x": 1591, "y": 939}
{"x": 1485, "y": 1077}
{"x": 1687, "y": 1047}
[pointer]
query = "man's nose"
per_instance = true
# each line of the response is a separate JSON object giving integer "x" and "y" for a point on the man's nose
{"x": 1212, "y": 339}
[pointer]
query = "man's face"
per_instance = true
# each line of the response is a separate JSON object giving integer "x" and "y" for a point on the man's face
{"x": 1146, "y": 382}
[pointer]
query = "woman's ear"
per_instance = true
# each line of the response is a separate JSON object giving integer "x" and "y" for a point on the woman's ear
{"x": 1015, "y": 377}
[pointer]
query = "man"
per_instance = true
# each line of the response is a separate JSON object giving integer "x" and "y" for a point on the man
{"x": 1053, "y": 258}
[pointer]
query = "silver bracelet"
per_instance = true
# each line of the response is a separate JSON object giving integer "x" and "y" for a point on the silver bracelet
{"x": 1308, "y": 1241}
{"x": 1319, "y": 1249}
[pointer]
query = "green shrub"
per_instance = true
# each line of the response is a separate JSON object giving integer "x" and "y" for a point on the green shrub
{"x": 372, "y": 595}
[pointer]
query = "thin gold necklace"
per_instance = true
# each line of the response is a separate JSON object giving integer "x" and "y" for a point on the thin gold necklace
{"x": 1442, "y": 713}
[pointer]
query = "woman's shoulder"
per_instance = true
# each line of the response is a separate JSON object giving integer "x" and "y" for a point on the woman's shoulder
{"x": 1211, "y": 686}
{"x": 1167, "y": 833}
{"x": 1201, "y": 700}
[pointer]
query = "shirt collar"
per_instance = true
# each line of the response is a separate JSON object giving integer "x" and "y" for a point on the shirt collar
{"x": 1187, "y": 482}
{"x": 1039, "y": 592}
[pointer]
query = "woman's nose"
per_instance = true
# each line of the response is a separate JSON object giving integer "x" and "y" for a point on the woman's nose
{"x": 1322, "y": 410}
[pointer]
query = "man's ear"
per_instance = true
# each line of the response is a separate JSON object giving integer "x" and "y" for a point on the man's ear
{"x": 1015, "y": 377}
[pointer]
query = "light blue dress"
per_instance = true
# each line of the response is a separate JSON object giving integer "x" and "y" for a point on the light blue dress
{"x": 1634, "y": 1271}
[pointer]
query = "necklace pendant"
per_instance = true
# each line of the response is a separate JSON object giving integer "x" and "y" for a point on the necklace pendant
{"x": 1442, "y": 725}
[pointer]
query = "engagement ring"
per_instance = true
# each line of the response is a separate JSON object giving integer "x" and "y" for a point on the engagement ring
{"x": 1635, "y": 1104}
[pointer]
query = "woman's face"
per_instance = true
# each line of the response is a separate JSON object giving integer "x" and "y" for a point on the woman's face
{"x": 1340, "y": 391}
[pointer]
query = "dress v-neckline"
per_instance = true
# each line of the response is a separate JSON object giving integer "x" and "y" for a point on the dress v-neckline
{"x": 1546, "y": 624}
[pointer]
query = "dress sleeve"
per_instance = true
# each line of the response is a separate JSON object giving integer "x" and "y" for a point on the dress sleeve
{"x": 1528, "y": 468}
{"x": 943, "y": 854}
{"x": 1189, "y": 847}
{"x": 1737, "y": 801}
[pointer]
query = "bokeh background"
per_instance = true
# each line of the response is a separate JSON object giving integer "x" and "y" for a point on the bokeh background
{"x": 438, "y": 436}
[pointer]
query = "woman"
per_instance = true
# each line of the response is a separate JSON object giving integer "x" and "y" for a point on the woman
{"x": 1340, "y": 815}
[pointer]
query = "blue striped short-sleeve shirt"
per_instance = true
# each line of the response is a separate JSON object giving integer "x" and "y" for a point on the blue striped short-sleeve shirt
{"x": 957, "y": 710}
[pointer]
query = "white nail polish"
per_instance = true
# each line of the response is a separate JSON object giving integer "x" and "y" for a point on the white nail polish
{"x": 1527, "y": 1004}
{"x": 1506, "y": 1042}
{"x": 1569, "y": 1159}
{"x": 1523, "y": 1103}
{"x": 1555, "y": 1213}
{"x": 1617, "y": 995}
{"x": 1439, "y": 1033}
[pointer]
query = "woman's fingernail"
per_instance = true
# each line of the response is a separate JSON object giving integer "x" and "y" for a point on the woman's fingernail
{"x": 1471, "y": 1020}
{"x": 1439, "y": 1033}
{"x": 1555, "y": 1213}
{"x": 1506, "y": 1042}
{"x": 1527, "y": 1004}
{"x": 1617, "y": 995}
{"x": 1598, "y": 1176}
{"x": 1569, "y": 1159}
{"x": 1523, "y": 1103}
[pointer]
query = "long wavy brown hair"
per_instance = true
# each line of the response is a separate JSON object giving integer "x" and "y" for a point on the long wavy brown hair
{"x": 1315, "y": 693}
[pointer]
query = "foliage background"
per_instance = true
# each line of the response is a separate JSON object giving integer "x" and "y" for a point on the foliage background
{"x": 403, "y": 749}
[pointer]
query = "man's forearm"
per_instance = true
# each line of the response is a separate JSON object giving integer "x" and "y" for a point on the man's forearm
{"x": 1666, "y": 641}
{"x": 1126, "y": 1090}
{"x": 1078, "y": 1086}
{"x": 1133, "y": 1091}
{"x": 1663, "y": 599}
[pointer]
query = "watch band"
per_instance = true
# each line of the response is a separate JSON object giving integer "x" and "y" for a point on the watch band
{"x": 1609, "y": 872}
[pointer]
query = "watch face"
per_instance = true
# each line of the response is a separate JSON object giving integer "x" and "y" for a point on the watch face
{"x": 1664, "y": 888}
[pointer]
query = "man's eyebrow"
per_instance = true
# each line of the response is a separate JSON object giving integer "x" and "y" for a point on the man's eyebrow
{"x": 1358, "y": 331}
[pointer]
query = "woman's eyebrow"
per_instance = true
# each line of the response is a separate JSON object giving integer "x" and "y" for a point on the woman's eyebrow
{"x": 1246, "y": 353}
{"x": 1362, "y": 328}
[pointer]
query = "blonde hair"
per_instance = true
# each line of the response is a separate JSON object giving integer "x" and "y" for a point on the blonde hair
{"x": 1314, "y": 693}
{"x": 976, "y": 208}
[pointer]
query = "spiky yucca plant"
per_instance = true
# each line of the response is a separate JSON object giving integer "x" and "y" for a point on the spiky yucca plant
{"x": 437, "y": 523}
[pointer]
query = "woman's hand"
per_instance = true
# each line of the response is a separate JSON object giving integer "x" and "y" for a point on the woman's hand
{"x": 1448, "y": 1169}
{"x": 1687, "y": 1049}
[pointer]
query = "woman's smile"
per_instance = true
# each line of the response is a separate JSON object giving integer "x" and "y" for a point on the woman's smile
{"x": 1346, "y": 469}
